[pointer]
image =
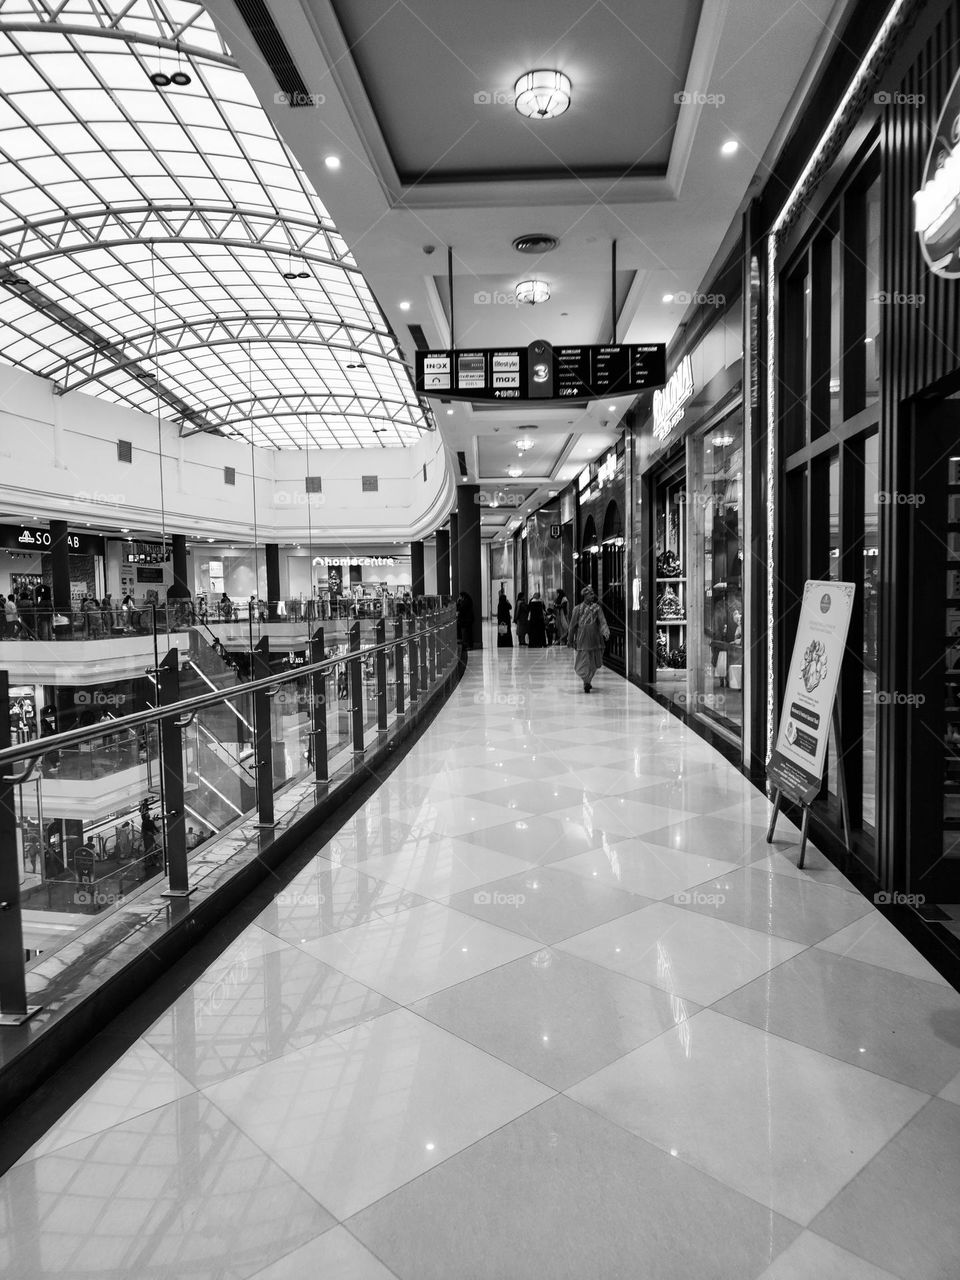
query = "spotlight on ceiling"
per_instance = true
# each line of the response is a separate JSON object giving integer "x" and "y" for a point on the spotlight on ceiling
{"x": 160, "y": 79}
{"x": 542, "y": 95}
{"x": 180, "y": 78}
{"x": 356, "y": 365}
{"x": 533, "y": 291}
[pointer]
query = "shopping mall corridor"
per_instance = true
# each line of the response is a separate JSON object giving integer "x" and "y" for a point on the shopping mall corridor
{"x": 546, "y": 1006}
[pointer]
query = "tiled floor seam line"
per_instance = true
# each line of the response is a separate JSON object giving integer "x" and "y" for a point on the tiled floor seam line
{"x": 255, "y": 1066}
{"x": 284, "y": 1173}
{"x": 876, "y": 1155}
{"x": 705, "y": 1173}
{"x": 554, "y": 1094}
{"x": 108, "y": 1128}
{"x": 825, "y": 1053}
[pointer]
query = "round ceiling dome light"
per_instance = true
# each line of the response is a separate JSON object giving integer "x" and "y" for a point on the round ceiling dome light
{"x": 536, "y": 243}
{"x": 533, "y": 291}
{"x": 542, "y": 95}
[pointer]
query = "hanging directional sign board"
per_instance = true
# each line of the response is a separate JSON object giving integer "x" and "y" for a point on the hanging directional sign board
{"x": 541, "y": 372}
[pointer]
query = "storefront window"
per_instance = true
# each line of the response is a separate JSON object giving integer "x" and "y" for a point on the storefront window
{"x": 836, "y": 336}
{"x": 871, "y": 467}
{"x": 720, "y": 658}
{"x": 671, "y": 581}
{"x": 872, "y": 339}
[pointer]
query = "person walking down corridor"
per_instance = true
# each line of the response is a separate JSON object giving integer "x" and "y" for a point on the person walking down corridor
{"x": 536, "y": 623}
{"x": 504, "y": 634}
{"x": 465, "y": 619}
{"x": 522, "y": 611}
{"x": 587, "y": 634}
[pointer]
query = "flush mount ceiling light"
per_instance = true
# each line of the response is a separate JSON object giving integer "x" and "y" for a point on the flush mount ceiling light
{"x": 542, "y": 95}
{"x": 730, "y": 147}
{"x": 332, "y": 162}
{"x": 533, "y": 291}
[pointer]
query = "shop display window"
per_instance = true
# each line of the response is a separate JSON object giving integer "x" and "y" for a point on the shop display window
{"x": 718, "y": 517}
{"x": 671, "y": 579}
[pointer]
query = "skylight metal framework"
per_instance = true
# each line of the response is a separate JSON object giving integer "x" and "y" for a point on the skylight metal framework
{"x": 108, "y": 185}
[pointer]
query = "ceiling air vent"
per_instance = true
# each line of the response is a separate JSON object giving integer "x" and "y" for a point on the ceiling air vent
{"x": 229, "y": 475}
{"x": 369, "y": 484}
{"x": 314, "y": 484}
{"x": 419, "y": 337}
{"x": 276, "y": 54}
{"x": 462, "y": 459}
{"x": 538, "y": 243}
{"x": 124, "y": 451}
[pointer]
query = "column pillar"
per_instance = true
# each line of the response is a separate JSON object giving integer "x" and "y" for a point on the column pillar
{"x": 443, "y": 562}
{"x": 272, "y": 555}
{"x": 454, "y": 554}
{"x": 468, "y": 540}
{"x": 181, "y": 587}
{"x": 417, "y": 587}
{"x": 60, "y": 566}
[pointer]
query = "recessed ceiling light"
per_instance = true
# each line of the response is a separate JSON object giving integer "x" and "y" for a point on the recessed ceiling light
{"x": 332, "y": 162}
{"x": 612, "y": 408}
{"x": 449, "y": 413}
{"x": 668, "y": 297}
{"x": 730, "y": 147}
{"x": 542, "y": 95}
{"x": 404, "y": 306}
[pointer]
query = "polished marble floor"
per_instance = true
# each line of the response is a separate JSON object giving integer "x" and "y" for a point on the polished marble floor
{"x": 548, "y": 1005}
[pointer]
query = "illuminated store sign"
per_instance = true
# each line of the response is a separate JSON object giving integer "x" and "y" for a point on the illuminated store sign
{"x": 23, "y": 538}
{"x": 326, "y": 561}
{"x": 936, "y": 206}
{"x": 669, "y": 403}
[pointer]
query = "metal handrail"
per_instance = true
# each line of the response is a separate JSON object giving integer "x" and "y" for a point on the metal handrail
{"x": 39, "y": 747}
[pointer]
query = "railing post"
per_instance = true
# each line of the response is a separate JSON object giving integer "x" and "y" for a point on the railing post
{"x": 398, "y": 661}
{"x": 422, "y": 627}
{"x": 432, "y": 641}
{"x": 318, "y": 708}
{"x": 263, "y": 737}
{"x": 414, "y": 664}
{"x": 13, "y": 975}
{"x": 380, "y": 666}
{"x": 171, "y": 769}
{"x": 356, "y": 689}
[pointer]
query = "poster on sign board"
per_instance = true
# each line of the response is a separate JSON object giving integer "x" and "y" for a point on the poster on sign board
{"x": 797, "y": 763}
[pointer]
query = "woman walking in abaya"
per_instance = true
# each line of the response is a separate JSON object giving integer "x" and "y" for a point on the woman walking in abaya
{"x": 562, "y": 607}
{"x": 536, "y": 623}
{"x": 522, "y": 609}
{"x": 504, "y": 634}
{"x": 588, "y": 631}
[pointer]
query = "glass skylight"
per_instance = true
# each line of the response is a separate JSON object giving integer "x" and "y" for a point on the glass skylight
{"x": 145, "y": 234}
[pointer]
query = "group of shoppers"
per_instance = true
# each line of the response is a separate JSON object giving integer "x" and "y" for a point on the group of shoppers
{"x": 538, "y": 625}
{"x": 585, "y": 629}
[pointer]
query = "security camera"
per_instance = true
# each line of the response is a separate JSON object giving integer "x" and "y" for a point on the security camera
{"x": 429, "y": 248}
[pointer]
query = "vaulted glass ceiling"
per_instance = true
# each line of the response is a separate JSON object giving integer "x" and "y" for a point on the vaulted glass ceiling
{"x": 146, "y": 235}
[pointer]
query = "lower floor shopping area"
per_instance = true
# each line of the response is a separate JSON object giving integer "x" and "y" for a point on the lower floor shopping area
{"x": 543, "y": 1001}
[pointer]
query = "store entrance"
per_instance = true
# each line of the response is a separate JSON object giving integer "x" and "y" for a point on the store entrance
{"x": 930, "y": 704}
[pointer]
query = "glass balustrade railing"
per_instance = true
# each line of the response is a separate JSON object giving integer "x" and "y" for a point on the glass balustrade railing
{"x": 92, "y": 816}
